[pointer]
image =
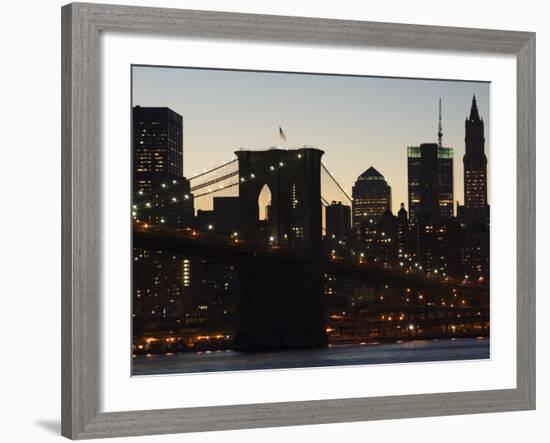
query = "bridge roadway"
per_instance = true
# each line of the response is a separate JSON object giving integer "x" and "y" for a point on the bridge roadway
{"x": 202, "y": 244}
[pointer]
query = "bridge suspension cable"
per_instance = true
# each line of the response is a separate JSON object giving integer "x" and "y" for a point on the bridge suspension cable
{"x": 214, "y": 169}
{"x": 331, "y": 190}
{"x": 223, "y": 181}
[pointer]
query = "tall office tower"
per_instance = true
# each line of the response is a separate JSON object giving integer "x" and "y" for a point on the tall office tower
{"x": 413, "y": 171}
{"x": 475, "y": 250}
{"x": 158, "y": 168}
{"x": 445, "y": 180}
{"x": 428, "y": 182}
{"x": 371, "y": 199}
{"x": 475, "y": 170}
{"x": 427, "y": 214}
{"x": 158, "y": 147}
{"x": 445, "y": 176}
{"x": 434, "y": 230}
{"x": 338, "y": 221}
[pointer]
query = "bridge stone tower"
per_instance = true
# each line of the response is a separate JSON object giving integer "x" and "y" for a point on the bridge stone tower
{"x": 281, "y": 298}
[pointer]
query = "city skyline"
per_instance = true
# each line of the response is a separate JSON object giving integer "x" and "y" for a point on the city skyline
{"x": 221, "y": 107}
{"x": 257, "y": 253}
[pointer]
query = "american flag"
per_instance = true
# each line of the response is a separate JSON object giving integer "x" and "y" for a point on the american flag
{"x": 282, "y": 134}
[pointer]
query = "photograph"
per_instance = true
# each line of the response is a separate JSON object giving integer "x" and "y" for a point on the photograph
{"x": 285, "y": 220}
{"x": 274, "y": 221}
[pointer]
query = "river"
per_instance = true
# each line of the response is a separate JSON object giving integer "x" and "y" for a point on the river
{"x": 335, "y": 355}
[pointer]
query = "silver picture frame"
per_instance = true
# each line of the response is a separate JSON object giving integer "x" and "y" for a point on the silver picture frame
{"x": 82, "y": 25}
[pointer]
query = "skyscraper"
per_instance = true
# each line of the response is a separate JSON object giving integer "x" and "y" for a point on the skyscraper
{"x": 445, "y": 180}
{"x": 475, "y": 249}
{"x": 445, "y": 177}
{"x": 433, "y": 228}
{"x": 475, "y": 170}
{"x": 427, "y": 215}
{"x": 158, "y": 147}
{"x": 371, "y": 198}
{"x": 428, "y": 182}
{"x": 338, "y": 221}
{"x": 158, "y": 165}
{"x": 444, "y": 168}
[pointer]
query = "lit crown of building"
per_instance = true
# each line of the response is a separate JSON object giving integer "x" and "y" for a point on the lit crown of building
{"x": 371, "y": 174}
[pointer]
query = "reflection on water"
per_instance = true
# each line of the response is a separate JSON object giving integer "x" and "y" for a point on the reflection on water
{"x": 335, "y": 355}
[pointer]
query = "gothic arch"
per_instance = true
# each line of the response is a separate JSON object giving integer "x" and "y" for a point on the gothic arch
{"x": 290, "y": 175}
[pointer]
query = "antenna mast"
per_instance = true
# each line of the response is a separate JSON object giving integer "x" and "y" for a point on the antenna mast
{"x": 439, "y": 128}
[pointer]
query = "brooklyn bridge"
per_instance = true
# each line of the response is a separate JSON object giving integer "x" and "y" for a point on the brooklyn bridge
{"x": 263, "y": 215}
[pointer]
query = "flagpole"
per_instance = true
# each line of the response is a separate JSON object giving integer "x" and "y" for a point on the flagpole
{"x": 282, "y": 135}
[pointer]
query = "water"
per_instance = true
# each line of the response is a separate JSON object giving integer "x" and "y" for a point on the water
{"x": 336, "y": 355}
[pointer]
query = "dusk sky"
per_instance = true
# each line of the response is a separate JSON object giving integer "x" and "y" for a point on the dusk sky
{"x": 358, "y": 121}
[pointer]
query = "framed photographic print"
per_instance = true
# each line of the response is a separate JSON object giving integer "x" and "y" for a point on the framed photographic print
{"x": 274, "y": 221}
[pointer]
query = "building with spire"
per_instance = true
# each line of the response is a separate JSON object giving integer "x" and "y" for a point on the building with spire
{"x": 432, "y": 226}
{"x": 475, "y": 170}
{"x": 445, "y": 176}
{"x": 475, "y": 245}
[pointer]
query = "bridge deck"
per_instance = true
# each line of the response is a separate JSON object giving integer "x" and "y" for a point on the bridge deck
{"x": 195, "y": 243}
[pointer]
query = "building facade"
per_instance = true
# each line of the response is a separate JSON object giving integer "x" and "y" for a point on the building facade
{"x": 338, "y": 221}
{"x": 158, "y": 147}
{"x": 158, "y": 166}
{"x": 475, "y": 170}
{"x": 445, "y": 179}
{"x": 475, "y": 249}
{"x": 371, "y": 196}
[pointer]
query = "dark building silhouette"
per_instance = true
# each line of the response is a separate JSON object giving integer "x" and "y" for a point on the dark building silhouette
{"x": 223, "y": 219}
{"x": 434, "y": 232}
{"x": 158, "y": 147}
{"x": 387, "y": 240}
{"x": 427, "y": 214}
{"x": 157, "y": 165}
{"x": 338, "y": 221}
{"x": 444, "y": 171}
{"x": 460, "y": 213}
{"x": 475, "y": 170}
{"x": 475, "y": 251}
{"x": 378, "y": 238}
{"x": 447, "y": 241}
{"x": 371, "y": 196}
{"x": 444, "y": 178}
{"x": 428, "y": 210}
{"x": 406, "y": 243}
{"x": 446, "y": 181}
